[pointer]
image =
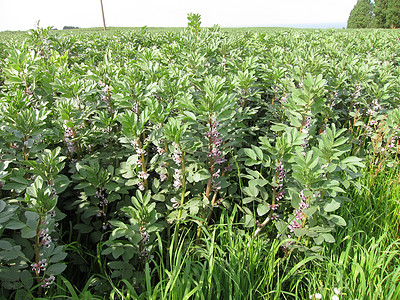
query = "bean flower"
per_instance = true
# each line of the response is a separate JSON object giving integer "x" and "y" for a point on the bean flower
{"x": 68, "y": 139}
{"x": 299, "y": 213}
{"x": 279, "y": 192}
{"x": 47, "y": 282}
{"x": 215, "y": 154}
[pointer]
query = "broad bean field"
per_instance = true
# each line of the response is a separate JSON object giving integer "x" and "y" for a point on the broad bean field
{"x": 200, "y": 164}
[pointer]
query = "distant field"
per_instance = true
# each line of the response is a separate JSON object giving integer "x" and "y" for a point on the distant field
{"x": 6, "y": 35}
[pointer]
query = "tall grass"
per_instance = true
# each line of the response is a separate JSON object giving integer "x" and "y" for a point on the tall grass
{"x": 363, "y": 263}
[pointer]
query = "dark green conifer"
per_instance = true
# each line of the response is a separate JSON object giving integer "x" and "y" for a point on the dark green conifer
{"x": 393, "y": 14}
{"x": 380, "y": 9}
{"x": 361, "y": 15}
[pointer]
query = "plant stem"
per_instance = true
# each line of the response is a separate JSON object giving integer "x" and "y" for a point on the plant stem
{"x": 37, "y": 245}
{"x": 262, "y": 225}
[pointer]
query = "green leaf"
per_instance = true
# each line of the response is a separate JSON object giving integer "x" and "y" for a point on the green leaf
{"x": 6, "y": 245}
{"x": 280, "y": 226}
{"x": 58, "y": 257}
{"x": 8, "y": 213}
{"x": 14, "y": 225}
{"x": 20, "y": 179}
{"x": 116, "y": 223}
{"x": 61, "y": 182}
{"x": 248, "y": 200}
{"x": 328, "y": 237}
{"x": 8, "y": 255}
{"x": 26, "y": 279}
{"x": 258, "y": 152}
{"x": 117, "y": 252}
{"x": 9, "y": 274}
{"x": 250, "y": 153}
{"x": 90, "y": 191}
{"x": 28, "y": 232}
{"x": 190, "y": 115}
{"x": 248, "y": 220}
{"x": 30, "y": 215}
{"x": 2, "y": 205}
{"x": 250, "y": 162}
{"x": 262, "y": 209}
{"x": 310, "y": 211}
{"x": 200, "y": 175}
{"x": 251, "y": 191}
{"x": 319, "y": 239}
{"x": 14, "y": 79}
{"x": 278, "y": 127}
{"x": 332, "y": 205}
{"x": 56, "y": 269}
{"x": 337, "y": 220}
{"x": 300, "y": 231}
{"x": 82, "y": 228}
{"x": 119, "y": 265}
{"x": 259, "y": 182}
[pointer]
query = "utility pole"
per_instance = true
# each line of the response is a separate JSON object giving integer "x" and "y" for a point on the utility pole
{"x": 102, "y": 12}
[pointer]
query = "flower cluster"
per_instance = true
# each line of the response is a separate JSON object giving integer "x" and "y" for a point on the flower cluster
{"x": 177, "y": 154}
{"x": 106, "y": 225}
{"x": 336, "y": 295}
{"x": 357, "y": 92}
{"x": 280, "y": 170}
{"x": 144, "y": 252}
{"x": 47, "y": 282}
{"x": 143, "y": 175}
{"x": 163, "y": 174}
{"x": 294, "y": 225}
{"x": 160, "y": 150}
{"x": 299, "y": 212}
{"x": 100, "y": 195}
{"x": 288, "y": 244}
{"x": 316, "y": 296}
{"x": 215, "y": 142}
{"x": 46, "y": 238}
{"x": 215, "y": 154}
{"x": 279, "y": 191}
{"x": 324, "y": 169}
{"x": 334, "y": 99}
{"x": 103, "y": 201}
{"x": 177, "y": 157}
{"x": 68, "y": 138}
{"x": 373, "y": 110}
{"x": 107, "y": 93}
{"x": 40, "y": 266}
{"x": 177, "y": 178}
{"x": 175, "y": 203}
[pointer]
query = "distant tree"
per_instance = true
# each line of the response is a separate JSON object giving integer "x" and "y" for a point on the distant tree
{"x": 380, "y": 10}
{"x": 393, "y": 14}
{"x": 361, "y": 15}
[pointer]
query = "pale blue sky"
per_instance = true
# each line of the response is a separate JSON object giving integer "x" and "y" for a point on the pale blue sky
{"x": 23, "y": 14}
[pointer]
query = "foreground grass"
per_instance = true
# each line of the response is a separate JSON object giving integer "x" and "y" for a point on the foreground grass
{"x": 363, "y": 263}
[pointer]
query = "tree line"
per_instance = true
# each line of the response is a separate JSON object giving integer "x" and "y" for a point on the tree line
{"x": 375, "y": 14}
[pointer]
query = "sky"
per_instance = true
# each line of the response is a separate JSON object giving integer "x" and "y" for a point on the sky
{"x": 24, "y": 14}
